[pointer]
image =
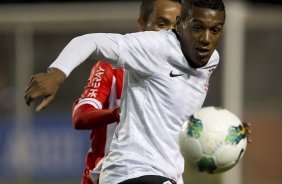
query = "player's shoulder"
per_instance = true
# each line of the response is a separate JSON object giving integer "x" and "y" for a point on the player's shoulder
{"x": 169, "y": 34}
{"x": 154, "y": 36}
{"x": 120, "y": 70}
{"x": 103, "y": 64}
{"x": 162, "y": 34}
{"x": 99, "y": 69}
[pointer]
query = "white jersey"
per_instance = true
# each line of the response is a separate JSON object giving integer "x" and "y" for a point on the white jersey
{"x": 160, "y": 92}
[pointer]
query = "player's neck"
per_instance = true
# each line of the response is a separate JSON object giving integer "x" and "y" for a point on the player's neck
{"x": 184, "y": 50}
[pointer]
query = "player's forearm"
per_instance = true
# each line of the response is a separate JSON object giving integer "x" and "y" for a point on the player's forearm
{"x": 77, "y": 50}
{"x": 80, "y": 48}
{"x": 58, "y": 75}
{"x": 86, "y": 117}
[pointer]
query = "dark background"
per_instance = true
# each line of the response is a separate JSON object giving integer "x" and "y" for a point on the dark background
{"x": 59, "y": 1}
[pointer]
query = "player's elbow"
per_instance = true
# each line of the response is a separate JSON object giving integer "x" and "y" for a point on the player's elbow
{"x": 82, "y": 117}
{"x": 77, "y": 122}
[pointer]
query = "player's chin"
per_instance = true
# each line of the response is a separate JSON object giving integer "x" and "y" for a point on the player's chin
{"x": 203, "y": 59}
{"x": 200, "y": 61}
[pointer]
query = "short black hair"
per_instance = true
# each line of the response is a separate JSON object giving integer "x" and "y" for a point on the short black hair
{"x": 147, "y": 7}
{"x": 187, "y": 6}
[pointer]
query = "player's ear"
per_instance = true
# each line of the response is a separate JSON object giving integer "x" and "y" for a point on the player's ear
{"x": 178, "y": 20}
{"x": 141, "y": 24}
{"x": 179, "y": 24}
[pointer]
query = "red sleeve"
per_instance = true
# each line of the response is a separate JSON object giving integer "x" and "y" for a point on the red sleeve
{"x": 99, "y": 83}
{"x": 87, "y": 117}
{"x": 88, "y": 111}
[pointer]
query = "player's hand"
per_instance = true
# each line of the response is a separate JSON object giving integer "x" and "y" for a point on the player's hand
{"x": 248, "y": 127}
{"x": 44, "y": 85}
{"x": 116, "y": 113}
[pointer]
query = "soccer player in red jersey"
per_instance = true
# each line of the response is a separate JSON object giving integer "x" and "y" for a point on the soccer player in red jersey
{"x": 98, "y": 107}
{"x": 98, "y": 110}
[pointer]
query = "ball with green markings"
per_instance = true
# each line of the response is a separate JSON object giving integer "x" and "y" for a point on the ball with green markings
{"x": 213, "y": 140}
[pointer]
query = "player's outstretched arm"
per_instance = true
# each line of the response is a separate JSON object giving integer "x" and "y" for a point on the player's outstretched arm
{"x": 87, "y": 117}
{"x": 77, "y": 51}
{"x": 44, "y": 85}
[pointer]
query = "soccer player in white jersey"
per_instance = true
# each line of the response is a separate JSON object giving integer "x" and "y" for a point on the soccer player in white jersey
{"x": 97, "y": 108}
{"x": 167, "y": 72}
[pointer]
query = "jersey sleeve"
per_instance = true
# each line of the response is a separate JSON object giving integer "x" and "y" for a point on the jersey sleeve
{"x": 143, "y": 52}
{"x": 101, "y": 46}
{"x": 99, "y": 84}
{"x": 140, "y": 51}
{"x": 88, "y": 111}
{"x": 87, "y": 117}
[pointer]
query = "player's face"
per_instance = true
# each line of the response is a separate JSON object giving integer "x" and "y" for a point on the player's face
{"x": 200, "y": 33}
{"x": 163, "y": 16}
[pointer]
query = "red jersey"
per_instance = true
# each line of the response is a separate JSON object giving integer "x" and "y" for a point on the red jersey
{"x": 103, "y": 91}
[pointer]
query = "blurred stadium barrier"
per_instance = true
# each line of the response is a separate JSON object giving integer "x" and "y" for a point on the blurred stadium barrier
{"x": 46, "y": 145}
{"x": 54, "y": 149}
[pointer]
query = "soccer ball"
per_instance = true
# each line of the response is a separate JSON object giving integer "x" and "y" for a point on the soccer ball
{"x": 213, "y": 140}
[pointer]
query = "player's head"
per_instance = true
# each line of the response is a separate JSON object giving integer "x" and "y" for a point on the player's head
{"x": 158, "y": 14}
{"x": 200, "y": 27}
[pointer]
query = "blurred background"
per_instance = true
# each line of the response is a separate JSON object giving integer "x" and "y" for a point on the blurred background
{"x": 44, "y": 147}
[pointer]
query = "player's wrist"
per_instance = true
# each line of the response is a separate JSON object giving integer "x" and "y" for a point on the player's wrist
{"x": 115, "y": 113}
{"x": 57, "y": 74}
